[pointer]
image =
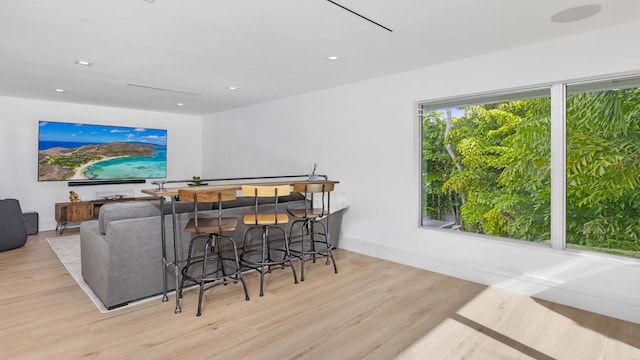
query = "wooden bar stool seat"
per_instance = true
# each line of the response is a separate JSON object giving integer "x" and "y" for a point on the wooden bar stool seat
{"x": 211, "y": 225}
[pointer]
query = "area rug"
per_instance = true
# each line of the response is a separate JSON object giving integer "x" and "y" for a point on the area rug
{"x": 68, "y": 250}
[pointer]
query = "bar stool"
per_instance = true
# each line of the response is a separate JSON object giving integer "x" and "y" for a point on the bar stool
{"x": 262, "y": 257}
{"x": 308, "y": 245}
{"x": 215, "y": 268}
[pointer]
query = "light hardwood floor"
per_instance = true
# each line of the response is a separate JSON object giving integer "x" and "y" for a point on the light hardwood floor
{"x": 371, "y": 309}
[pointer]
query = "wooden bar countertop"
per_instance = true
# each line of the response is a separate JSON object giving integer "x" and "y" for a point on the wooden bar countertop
{"x": 173, "y": 191}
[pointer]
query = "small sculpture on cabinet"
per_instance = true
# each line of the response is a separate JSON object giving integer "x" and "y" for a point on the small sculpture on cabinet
{"x": 73, "y": 196}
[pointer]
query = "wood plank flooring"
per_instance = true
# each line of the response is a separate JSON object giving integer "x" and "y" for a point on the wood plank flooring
{"x": 371, "y": 309}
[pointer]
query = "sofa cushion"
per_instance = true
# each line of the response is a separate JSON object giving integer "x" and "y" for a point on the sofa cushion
{"x": 125, "y": 210}
{"x": 139, "y": 209}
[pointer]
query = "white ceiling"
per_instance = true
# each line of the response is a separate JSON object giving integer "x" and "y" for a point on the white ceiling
{"x": 269, "y": 49}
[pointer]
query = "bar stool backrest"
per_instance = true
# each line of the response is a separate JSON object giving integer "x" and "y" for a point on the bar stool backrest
{"x": 262, "y": 191}
{"x": 206, "y": 196}
{"x": 315, "y": 188}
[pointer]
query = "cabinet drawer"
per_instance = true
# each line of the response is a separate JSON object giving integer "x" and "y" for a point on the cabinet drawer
{"x": 70, "y": 212}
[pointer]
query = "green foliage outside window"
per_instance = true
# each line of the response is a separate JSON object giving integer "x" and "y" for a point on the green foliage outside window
{"x": 488, "y": 169}
{"x": 491, "y": 173}
{"x": 603, "y": 171}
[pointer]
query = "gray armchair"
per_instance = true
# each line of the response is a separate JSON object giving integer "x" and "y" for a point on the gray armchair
{"x": 13, "y": 229}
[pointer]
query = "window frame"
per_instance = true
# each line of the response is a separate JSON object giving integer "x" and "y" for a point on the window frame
{"x": 523, "y": 93}
{"x": 557, "y": 91}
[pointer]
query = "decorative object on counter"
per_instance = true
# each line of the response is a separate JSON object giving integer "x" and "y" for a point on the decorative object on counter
{"x": 313, "y": 176}
{"x": 196, "y": 181}
{"x": 73, "y": 196}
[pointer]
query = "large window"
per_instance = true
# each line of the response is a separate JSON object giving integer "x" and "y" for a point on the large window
{"x": 603, "y": 167}
{"x": 486, "y": 166}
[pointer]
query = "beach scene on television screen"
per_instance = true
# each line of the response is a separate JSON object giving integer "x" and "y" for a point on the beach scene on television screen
{"x": 68, "y": 151}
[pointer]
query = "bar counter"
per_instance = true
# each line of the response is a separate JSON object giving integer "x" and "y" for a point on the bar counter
{"x": 225, "y": 184}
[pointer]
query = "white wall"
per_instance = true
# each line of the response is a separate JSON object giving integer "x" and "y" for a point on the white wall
{"x": 19, "y": 149}
{"x": 366, "y": 136}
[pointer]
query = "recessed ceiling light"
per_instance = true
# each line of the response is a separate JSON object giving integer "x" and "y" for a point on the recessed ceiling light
{"x": 232, "y": 88}
{"x": 59, "y": 90}
{"x": 576, "y": 13}
{"x": 84, "y": 62}
{"x": 150, "y": 1}
{"x": 332, "y": 58}
{"x": 180, "y": 104}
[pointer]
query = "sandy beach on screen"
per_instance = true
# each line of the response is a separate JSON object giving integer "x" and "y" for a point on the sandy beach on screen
{"x": 79, "y": 175}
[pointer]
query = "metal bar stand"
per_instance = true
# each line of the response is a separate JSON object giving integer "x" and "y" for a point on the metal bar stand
{"x": 165, "y": 298}
{"x": 166, "y": 264}
{"x": 173, "y": 264}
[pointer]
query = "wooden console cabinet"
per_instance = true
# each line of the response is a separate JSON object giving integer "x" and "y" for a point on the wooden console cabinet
{"x": 67, "y": 212}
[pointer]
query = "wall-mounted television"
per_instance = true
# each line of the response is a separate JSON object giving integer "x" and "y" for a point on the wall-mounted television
{"x": 70, "y": 151}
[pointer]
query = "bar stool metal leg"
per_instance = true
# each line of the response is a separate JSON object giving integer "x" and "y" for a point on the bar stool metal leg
{"x": 213, "y": 270}
{"x": 267, "y": 222}
{"x": 310, "y": 219}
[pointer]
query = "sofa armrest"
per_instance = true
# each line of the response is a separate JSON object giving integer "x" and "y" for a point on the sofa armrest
{"x": 126, "y": 264}
{"x": 94, "y": 250}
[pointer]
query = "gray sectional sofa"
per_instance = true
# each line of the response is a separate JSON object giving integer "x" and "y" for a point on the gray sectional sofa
{"x": 121, "y": 252}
